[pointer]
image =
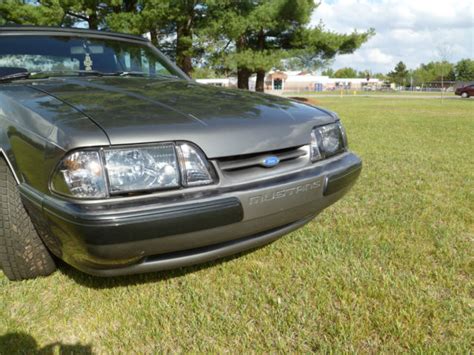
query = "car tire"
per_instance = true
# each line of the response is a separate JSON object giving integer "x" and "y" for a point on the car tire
{"x": 465, "y": 95}
{"x": 22, "y": 252}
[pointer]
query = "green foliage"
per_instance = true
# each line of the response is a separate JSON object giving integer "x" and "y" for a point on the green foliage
{"x": 44, "y": 13}
{"x": 400, "y": 74}
{"x": 307, "y": 62}
{"x": 244, "y": 36}
{"x": 257, "y": 35}
{"x": 464, "y": 70}
{"x": 345, "y": 73}
{"x": 204, "y": 73}
{"x": 364, "y": 74}
{"x": 433, "y": 71}
{"x": 423, "y": 75}
{"x": 328, "y": 72}
{"x": 444, "y": 70}
{"x": 380, "y": 76}
{"x": 254, "y": 34}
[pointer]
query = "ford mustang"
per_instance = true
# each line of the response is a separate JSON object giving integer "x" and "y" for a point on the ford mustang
{"x": 115, "y": 161}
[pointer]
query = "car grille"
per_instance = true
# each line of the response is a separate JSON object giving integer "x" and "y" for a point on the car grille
{"x": 242, "y": 162}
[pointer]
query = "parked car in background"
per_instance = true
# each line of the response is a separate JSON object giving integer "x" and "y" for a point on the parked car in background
{"x": 465, "y": 91}
{"x": 113, "y": 160}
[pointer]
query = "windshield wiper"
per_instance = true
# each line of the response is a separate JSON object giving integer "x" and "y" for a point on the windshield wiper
{"x": 47, "y": 74}
{"x": 142, "y": 74}
{"x": 15, "y": 76}
{"x": 58, "y": 73}
{"x": 129, "y": 73}
{"x": 70, "y": 72}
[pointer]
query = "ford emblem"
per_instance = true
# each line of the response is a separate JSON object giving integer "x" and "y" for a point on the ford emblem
{"x": 270, "y": 162}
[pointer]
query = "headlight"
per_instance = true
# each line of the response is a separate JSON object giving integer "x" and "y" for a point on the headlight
{"x": 195, "y": 169}
{"x": 81, "y": 175}
{"x": 114, "y": 171}
{"x": 141, "y": 169}
{"x": 327, "y": 141}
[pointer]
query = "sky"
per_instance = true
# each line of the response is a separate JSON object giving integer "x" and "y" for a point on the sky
{"x": 412, "y": 31}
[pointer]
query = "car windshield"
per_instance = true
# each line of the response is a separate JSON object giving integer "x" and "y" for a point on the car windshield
{"x": 62, "y": 54}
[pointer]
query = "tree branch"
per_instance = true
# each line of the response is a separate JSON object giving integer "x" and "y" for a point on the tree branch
{"x": 82, "y": 17}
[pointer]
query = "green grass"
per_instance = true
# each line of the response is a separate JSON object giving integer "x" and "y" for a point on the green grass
{"x": 370, "y": 93}
{"x": 388, "y": 268}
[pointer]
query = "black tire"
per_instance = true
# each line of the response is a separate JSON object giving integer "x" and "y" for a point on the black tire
{"x": 465, "y": 95}
{"x": 22, "y": 252}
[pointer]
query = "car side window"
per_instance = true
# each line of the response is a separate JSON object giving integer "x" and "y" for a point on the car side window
{"x": 140, "y": 61}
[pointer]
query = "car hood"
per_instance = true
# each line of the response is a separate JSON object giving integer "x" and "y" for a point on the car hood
{"x": 222, "y": 122}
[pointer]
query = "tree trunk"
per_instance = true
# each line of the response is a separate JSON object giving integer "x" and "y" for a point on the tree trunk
{"x": 154, "y": 36}
{"x": 130, "y": 5}
{"x": 243, "y": 75}
{"x": 184, "y": 41}
{"x": 183, "y": 47}
{"x": 93, "y": 22}
{"x": 260, "y": 84}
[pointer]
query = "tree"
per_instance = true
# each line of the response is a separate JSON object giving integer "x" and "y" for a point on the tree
{"x": 171, "y": 24}
{"x": 380, "y": 76}
{"x": 423, "y": 74}
{"x": 345, "y": 73}
{"x": 328, "y": 72}
{"x": 364, "y": 74}
{"x": 400, "y": 74}
{"x": 444, "y": 70}
{"x": 246, "y": 36}
{"x": 39, "y": 13}
{"x": 464, "y": 70}
{"x": 257, "y": 34}
{"x": 253, "y": 34}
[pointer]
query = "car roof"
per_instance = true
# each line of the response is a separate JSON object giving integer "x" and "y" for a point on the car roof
{"x": 38, "y": 30}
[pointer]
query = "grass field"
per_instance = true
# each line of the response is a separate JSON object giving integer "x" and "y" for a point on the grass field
{"x": 390, "y": 93}
{"x": 388, "y": 268}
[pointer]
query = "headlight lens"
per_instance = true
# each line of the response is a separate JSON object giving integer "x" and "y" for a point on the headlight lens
{"x": 327, "y": 141}
{"x": 80, "y": 175}
{"x": 142, "y": 168}
{"x": 104, "y": 172}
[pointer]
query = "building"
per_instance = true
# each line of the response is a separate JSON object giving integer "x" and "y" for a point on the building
{"x": 296, "y": 81}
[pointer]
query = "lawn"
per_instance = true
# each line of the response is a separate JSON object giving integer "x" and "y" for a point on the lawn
{"x": 388, "y": 268}
{"x": 390, "y": 93}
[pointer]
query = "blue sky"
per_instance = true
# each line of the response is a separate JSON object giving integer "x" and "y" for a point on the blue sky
{"x": 414, "y": 31}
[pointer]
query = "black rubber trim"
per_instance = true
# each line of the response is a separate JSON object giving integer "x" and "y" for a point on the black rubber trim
{"x": 341, "y": 180}
{"x": 200, "y": 255}
{"x": 160, "y": 222}
{"x": 40, "y": 30}
{"x": 132, "y": 224}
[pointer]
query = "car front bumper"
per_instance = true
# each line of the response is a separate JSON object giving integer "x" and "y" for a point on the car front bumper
{"x": 136, "y": 235}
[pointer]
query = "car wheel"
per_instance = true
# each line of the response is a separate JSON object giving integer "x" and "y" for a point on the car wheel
{"x": 22, "y": 253}
{"x": 464, "y": 95}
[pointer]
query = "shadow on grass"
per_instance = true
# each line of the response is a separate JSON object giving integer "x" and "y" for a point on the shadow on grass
{"x": 22, "y": 343}
{"x": 96, "y": 282}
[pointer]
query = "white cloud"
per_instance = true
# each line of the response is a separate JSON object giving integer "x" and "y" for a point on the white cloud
{"x": 407, "y": 30}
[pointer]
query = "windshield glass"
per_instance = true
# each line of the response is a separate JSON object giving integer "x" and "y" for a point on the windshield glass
{"x": 63, "y": 54}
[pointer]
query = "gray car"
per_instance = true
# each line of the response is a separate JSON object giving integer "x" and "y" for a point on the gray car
{"x": 114, "y": 161}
